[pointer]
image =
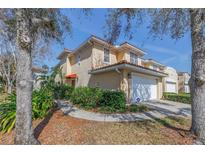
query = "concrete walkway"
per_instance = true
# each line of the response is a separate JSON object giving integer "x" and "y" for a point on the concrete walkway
{"x": 160, "y": 108}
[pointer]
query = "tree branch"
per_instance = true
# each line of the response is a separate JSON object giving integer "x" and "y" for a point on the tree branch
{"x": 39, "y": 21}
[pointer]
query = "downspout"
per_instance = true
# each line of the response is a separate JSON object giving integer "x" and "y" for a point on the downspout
{"x": 92, "y": 60}
{"x": 117, "y": 70}
{"x": 121, "y": 76}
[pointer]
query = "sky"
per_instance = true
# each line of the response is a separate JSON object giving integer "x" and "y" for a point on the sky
{"x": 176, "y": 54}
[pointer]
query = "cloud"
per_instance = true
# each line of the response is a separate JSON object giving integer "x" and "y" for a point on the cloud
{"x": 163, "y": 50}
{"x": 173, "y": 55}
{"x": 168, "y": 60}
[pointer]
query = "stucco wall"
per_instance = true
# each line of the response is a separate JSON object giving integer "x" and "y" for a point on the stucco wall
{"x": 186, "y": 78}
{"x": 98, "y": 56}
{"x": 181, "y": 83}
{"x": 183, "y": 80}
{"x": 85, "y": 65}
{"x": 127, "y": 58}
{"x": 159, "y": 88}
{"x": 63, "y": 67}
{"x": 172, "y": 77}
{"x": 120, "y": 56}
{"x": 107, "y": 80}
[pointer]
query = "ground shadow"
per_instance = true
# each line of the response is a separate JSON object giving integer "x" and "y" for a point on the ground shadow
{"x": 167, "y": 124}
{"x": 39, "y": 128}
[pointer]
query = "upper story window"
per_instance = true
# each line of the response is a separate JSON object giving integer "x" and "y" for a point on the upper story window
{"x": 133, "y": 58}
{"x": 78, "y": 59}
{"x": 155, "y": 67}
{"x": 106, "y": 55}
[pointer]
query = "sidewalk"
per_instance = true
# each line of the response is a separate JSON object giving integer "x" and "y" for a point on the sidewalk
{"x": 161, "y": 109}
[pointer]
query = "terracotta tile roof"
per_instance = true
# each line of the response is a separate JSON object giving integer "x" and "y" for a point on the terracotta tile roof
{"x": 125, "y": 62}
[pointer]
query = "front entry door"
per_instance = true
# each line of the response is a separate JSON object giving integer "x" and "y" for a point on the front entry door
{"x": 73, "y": 83}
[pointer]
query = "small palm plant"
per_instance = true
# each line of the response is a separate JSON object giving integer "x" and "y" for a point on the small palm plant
{"x": 42, "y": 103}
{"x": 8, "y": 114}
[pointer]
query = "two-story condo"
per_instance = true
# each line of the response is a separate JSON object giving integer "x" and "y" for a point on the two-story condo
{"x": 183, "y": 79}
{"x": 96, "y": 63}
{"x": 171, "y": 81}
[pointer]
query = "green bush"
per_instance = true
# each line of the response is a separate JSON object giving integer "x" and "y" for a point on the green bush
{"x": 7, "y": 115}
{"x": 1, "y": 88}
{"x": 138, "y": 108}
{"x": 42, "y": 102}
{"x": 106, "y": 100}
{"x": 181, "y": 97}
{"x": 114, "y": 99}
{"x": 62, "y": 91}
{"x": 86, "y": 97}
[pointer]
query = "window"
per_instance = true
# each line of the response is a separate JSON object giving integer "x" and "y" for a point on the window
{"x": 155, "y": 67}
{"x": 78, "y": 59}
{"x": 133, "y": 58}
{"x": 106, "y": 55}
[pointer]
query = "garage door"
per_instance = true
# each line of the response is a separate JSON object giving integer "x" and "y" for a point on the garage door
{"x": 143, "y": 89}
{"x": 186, "y": 88}
{"x": 171, "y": 87}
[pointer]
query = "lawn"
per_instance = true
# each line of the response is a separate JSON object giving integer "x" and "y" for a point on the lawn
{"x": 58, "y": 128}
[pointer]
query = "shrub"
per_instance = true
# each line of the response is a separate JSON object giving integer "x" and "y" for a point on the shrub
{"x": 86, "y": 97}
{"x": 62, "y": 91}
{"x": 181, "y": 97}
{"x": 42, "y": 102}
{"x": 7, "y": 115}
{"x": 106, "y": 100}
{"x": 114, "y": 99}
{"x": 138, "y": 108}
{"x": 1, "y": 88}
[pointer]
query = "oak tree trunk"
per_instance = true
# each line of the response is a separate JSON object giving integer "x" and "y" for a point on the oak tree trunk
{"x": 197, "y": 81}
{"x": 24, "y": 84}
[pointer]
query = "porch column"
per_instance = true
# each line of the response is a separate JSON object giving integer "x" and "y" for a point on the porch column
{"x": 124, "y": 84}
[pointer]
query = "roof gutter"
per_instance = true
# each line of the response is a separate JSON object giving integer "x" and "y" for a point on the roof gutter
{"x": 130, "y": 67}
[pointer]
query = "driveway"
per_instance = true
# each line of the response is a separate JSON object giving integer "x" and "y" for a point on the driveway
{"x": 160, "y": 109}
{"x": 170, "y": 108}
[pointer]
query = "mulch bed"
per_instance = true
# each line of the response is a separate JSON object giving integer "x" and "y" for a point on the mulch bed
{"x": 58, "y": 128}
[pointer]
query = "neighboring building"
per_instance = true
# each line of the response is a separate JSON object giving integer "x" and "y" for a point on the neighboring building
{"x": 37, "y": 73}
{"x": 96, "y": 63}
{"x": 171, "y": 81}
{"x": 183, "y": 79}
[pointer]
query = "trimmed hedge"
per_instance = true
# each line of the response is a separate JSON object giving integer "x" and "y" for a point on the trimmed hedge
{"x": 114, "y": 99}
{"x": 181, "y": 97}
{"x": 86, "y": 97}
{"x": 106, "y": 100}
{"x": 62, "y": 91}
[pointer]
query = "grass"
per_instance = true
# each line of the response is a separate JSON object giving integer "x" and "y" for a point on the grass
{"x": 61, "y": 129}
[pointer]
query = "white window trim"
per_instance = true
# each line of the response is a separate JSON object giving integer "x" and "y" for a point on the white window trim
{"x": 104, "y": 56}
{"x": 136, "y": 60}
{"x": 155, "y": 67}
{"x": 78, "y": 60}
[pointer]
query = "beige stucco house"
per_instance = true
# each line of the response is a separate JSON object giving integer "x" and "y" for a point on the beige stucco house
{"x": 171, "y": 81}
{"x": 183, "y": 80}
{"x": 96, "y": 63}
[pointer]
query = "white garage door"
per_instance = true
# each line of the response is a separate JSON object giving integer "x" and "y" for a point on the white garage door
{"x": 143, "y": 89}
{"x": 187, "y": 90}
{"x": 171, "y": 87}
